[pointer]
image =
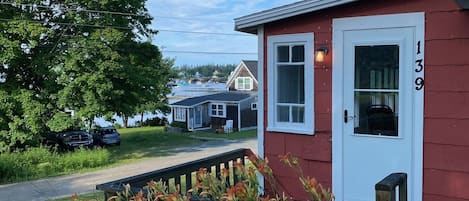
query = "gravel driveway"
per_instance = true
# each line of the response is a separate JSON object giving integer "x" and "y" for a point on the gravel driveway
{"x": 85, "y": 183}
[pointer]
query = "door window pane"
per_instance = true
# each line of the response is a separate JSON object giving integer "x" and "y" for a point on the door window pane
{"x": 376, "y": 90}
{"x": 377, "y": 67}
{"x": 376, "y": 113}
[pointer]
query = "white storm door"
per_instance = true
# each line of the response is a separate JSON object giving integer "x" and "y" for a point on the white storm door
{"x": 377, "y": 100}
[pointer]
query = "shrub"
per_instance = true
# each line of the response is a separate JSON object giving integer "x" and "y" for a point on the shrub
{"x": 178, "y": 124}
{"x": 154, "y": 122}
{"x": 210, "y": 187}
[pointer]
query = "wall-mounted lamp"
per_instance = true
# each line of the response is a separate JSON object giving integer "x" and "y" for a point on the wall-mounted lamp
{"x": 321, "y": 53}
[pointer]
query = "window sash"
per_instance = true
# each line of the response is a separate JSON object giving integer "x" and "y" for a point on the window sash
{"x": 179, "y": 114}
{"x": 218, "y": 110}
{"x": 298, "y": 112}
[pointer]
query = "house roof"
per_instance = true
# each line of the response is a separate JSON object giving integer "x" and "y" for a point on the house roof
{"x": 249, "y": 23}
{"x": 219, "y": 97}
{"x": 251, "y": 66}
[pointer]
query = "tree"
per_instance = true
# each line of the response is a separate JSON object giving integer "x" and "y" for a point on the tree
{"x": 74, "y": 54}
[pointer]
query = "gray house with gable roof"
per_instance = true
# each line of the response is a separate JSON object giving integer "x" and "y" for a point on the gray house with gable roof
{"x": 213, "y": 111}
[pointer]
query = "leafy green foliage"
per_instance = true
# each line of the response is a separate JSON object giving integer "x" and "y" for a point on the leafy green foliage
{"x": 63, "y": 54}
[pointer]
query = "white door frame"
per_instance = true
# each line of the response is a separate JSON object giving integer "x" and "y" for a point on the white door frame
{"x": 415, "y": 20}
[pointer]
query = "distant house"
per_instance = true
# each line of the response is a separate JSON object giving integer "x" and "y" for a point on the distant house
{"x": 215, "y": 110}
{"x": 244, "y": 77}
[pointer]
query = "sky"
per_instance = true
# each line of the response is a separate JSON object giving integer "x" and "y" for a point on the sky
{"x": 212, "y": 16}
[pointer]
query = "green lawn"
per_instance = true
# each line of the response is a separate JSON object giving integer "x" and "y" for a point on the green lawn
{"x": 137, "y": 144}
{"x": 235, "y": 135}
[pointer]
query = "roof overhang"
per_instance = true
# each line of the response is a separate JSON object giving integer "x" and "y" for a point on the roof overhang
{"x": 250, "y": 23}
{"x": 464, "y": 4}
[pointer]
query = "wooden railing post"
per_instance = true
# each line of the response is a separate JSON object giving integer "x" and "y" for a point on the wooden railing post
{"x": 386, "y": 188}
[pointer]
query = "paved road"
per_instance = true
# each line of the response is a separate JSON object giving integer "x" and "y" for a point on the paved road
{"x": 84, "y": 183}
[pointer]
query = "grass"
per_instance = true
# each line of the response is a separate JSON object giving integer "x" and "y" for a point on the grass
{"x": 231, "y": 136}
{"x": 87, "y": 196}
{"x": 137, "y": 144}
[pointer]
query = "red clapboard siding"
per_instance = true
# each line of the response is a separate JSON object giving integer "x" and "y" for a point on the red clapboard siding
{"x": 323, "y": 102}
{"x": 446, "y": 78}
{"x": 323, "y": 79}
{"x": 447, "y": 52}
{"x": 323, "y": 123}
{"x": 274, "y": 143}
{"x": 447, "y": 131}
{"x": 320, "y": 170}
{"x": 447, "y": 25}
{"x": 310, "y": 147}
{"x": 428, "y": 197}
{"x": 447, "y": 104}
{"x": 445, "y": 183}
{"x": 446, "y": 157}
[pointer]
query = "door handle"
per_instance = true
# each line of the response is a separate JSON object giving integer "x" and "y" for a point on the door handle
{"x": 346, "y": 117}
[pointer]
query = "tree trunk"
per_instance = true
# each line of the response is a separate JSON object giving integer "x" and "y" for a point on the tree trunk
{"x": 126, "y": 121}
{"x": 141, "y": 119}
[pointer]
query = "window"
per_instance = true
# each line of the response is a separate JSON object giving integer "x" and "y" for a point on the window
{"x": 243, "y": 83}
{"x": 179, "y": 114}
{"x": 218, "y": 110}
{"x": 291, "y": 83}
{"x": 253, "y": 106}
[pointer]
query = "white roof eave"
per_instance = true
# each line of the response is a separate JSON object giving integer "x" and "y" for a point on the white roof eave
{"x": 249, "y": 23}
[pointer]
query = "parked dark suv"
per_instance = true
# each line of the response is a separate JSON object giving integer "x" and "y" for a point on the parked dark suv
{"x": 68, "y": 139}
{"x": 106, "y": 136}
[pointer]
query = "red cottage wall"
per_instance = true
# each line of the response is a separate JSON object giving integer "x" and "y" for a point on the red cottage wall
{"x": 446, "y": 113}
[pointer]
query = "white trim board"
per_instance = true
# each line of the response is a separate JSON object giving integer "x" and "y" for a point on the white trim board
{"x": 260, "y": 100}
{"x": 249, "y": 23}
{"x": 341, "y": 25}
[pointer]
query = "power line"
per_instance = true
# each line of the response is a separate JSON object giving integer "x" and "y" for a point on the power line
{"x": 190, "y": 19}
{"x": 125, "y": 28}
{"x": 74, "y": 9}
{"x": 68, "y": 24}
{"x": 200, "y": 52}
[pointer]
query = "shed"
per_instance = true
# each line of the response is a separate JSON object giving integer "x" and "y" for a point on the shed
{"x": 360, "y": 89}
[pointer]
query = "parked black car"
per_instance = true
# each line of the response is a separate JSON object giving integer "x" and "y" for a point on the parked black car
{"x": 68, "y": 139}
{"x": 106, "y": 136}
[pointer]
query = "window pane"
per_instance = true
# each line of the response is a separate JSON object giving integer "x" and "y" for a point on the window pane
{"x": 214, "y": 112}
{"x": 376, "y": 113}
{"x": 283, "y": 53}
{"x": 240, "y": 81}
{"x": 290, "y": 84}
{"x": 298, "y": 53}
{"x": 214, "y": 107}
{"x": 220, "y": 107}
{"x": 220, "y": 113}
{"x": 377, "y": 67}
{"x": 298, "y": 114}
{"x": 283, "y": 113}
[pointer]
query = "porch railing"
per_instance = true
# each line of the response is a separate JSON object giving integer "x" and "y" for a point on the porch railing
{"x": 175, "y": 173}
{"x": 386, "y": 188}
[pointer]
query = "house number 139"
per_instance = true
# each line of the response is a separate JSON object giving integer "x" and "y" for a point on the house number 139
{"x": 419, "y": 82}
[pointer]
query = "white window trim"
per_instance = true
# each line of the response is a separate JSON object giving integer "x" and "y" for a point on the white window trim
{"x": 307, "y": 39}
{"x": 217, "y": 104}
{"x": 182, "y": 116}
{"x": 243, "y": 88}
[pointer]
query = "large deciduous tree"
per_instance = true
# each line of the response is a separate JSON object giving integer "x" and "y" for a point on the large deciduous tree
{"x": 83, "y": 55}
